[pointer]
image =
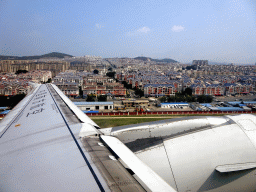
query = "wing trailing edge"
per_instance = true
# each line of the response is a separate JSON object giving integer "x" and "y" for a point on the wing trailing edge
{"x": 153, "y": 181}
{"x": 235, "y": 167}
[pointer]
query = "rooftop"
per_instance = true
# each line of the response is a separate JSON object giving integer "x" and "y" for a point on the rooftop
{"x": 93, "y": 103}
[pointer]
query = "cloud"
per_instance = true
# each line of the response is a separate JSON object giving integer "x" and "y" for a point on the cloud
{"x": 139, "y": 31}
{"x": 98, "y": 26}
{"x": 178, "y": 28}
{"x": 143, "y": 30}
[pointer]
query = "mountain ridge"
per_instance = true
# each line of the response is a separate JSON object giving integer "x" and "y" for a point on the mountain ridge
{"x": 47, "y": 55}
{"x": 166, "y": 60}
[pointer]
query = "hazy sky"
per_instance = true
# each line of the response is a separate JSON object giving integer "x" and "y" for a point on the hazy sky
{"x": 218, "y": 30}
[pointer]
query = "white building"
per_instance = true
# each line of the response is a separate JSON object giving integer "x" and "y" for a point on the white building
{"x": 175, "y": 105}
{"x": 91, "y": 106}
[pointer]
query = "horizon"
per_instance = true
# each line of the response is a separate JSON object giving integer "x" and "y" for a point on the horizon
{"x": 210, "y": 62}
{"x": 219, "y": 31}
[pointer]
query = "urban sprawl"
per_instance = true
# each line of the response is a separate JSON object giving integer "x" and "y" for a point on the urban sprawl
{"x": 123, "y": 81}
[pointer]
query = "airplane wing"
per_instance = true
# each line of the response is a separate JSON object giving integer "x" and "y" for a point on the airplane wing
{"x": 48, "y": 144}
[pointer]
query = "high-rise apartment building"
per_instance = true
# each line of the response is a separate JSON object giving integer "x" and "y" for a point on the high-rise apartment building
{"x": 200, "y": 62}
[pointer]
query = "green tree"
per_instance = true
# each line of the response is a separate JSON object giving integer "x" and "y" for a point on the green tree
{"x": 96, "y": 71}
{"x": 90, "y": 97}
{"x": 139, "y": 92}
{"x": 188, "y": 91}
{"x": 20, "y": 71}
{"x": 209, "y": 99}
{"x": 16, "y": 99}
{"x": 204, "y": 99}
{"x": 10, "y": 101}
{"x": 49, "y": 80}
{"x": 201, "y": 98}
{"x": 171, "y": 99}
{"x": 80, "y": 91}
{"x": 111, "y": 74}
{"x": 163, "y": 99}
{"x": 190, "y": 98}
{"x": 126, "y": 85}
{"x": 179, "y": 98}
{"x": 102, "y": 98}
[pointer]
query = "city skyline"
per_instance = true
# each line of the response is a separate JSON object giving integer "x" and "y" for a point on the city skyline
{"x": 220, "y": 31}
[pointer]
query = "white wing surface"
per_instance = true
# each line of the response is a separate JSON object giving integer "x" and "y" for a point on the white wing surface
{"x": 48, "y": 144}
{"x": 41, "y": 150}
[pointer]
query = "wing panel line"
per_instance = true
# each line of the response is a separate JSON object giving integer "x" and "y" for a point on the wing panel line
{"x": 79, "y": 147}
{"x": 18, "y": 114}
{"x": 170, "y": 166}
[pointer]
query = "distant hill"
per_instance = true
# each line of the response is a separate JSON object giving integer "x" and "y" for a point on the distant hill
{"x": 143, "y": 58}
{"x": 156, "y": 60}
{"x": 56, "y": 54}
{"x": 166, "y": 60}
{"x": 48, "y": 55}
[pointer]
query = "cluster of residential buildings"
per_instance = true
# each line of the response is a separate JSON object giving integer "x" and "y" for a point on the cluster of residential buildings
{"x": 74, "y": 76}
{"x": 89, "y": 63}
{"x": 55, "y": 66}
{"x": 167, "y": 79}
{"x": 13, "y": 84}
{"x": 102, "y": 85}
{"x": 71, "y": 82}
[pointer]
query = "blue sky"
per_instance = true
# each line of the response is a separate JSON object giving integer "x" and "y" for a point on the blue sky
{"x": 219, "y": 30}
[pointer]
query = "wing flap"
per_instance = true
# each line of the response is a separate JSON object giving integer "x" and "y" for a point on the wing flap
{"x": 116, "y": 176}
{"x": 153, "y": 181}
{"x": 235, "y": 167}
